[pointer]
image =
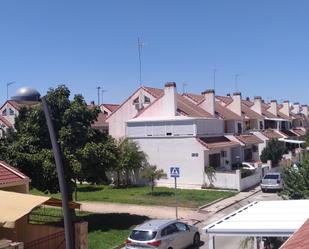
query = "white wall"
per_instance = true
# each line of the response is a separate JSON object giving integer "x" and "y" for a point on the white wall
{"x": 117, "y": 120}
{"x": 209, "y": 127}
{"x": 263, "y": 138}
{"x": 171, "y": 151}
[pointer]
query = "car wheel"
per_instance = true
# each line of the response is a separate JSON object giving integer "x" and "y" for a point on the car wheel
{"x": 263, "y": 190}
{"x": 196, "y": 239}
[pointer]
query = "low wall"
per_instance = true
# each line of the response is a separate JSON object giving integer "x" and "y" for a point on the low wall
{"x": 252, "y": 180}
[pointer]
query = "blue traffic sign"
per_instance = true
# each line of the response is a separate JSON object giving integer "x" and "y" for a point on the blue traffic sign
{"x": 174, "y": 171}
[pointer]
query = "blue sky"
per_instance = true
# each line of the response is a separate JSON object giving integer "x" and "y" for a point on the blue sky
{"x": 85, "y": 44}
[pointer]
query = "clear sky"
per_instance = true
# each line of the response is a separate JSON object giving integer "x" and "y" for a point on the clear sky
{"x": 85, "y": 44}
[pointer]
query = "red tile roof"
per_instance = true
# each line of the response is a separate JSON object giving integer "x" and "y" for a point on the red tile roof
{"x": 300, "y": 239}
{"x": 289, "y": 133}
{"x": 226, "y": 99}
{"x": 250, "y": 114}
{"x": 271, "y": 134}
{"x": 197, "y": 98}
{"x": 5, "y": 122}
{"x": 155, "y": 92}
{"x": 186, "y": 107}
{"x": 101, "y": 120}
{"x": 111, "y": 107}
{"x": 226, "y": 113}
{"x": 8, "y": 174}
{"x": 300, "y": 132}
{"x": 247, "y": 102}
{"x": 249, "y": 139}
{"x": 19, "y": 104}
{"x": 216, "y": 142}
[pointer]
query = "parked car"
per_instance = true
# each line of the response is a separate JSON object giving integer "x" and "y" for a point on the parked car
{"x": 163, "y": 234}
{"x": 272, "y": 181}
{"x": 247, "y": 165}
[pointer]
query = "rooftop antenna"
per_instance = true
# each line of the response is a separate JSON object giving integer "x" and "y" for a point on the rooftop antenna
{"x": 184, "y": 84}
{"x": 7, "y": 88}
{"x": 214, "y": 78}
{"x": 140, "y": 45}
{"x": 98, "y": 87}
{"x": 102, "y": 92}
{"x": 236, "y": 81}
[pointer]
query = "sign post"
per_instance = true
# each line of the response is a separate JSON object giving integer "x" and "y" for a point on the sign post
{"x": 175, "y": 172}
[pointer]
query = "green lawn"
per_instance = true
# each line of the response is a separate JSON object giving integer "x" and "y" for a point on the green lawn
{"x": 142, "y": 195}
{"x": 105, "y": 231}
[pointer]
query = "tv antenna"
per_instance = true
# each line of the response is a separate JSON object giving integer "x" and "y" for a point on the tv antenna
{"x": 98, "y": 88}
{"x": 140, "y": 45}
{"x": 214, "y": 77}
{"x": 184, "y": 84}
{"x": 102, "y": 92}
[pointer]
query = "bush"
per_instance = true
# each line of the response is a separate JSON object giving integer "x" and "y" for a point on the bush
{"x": 273, "y": 151}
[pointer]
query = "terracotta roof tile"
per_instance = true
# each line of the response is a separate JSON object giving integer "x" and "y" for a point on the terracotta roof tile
{"x": 289, "y": 133}
{"x": 226, "y": 99}
{"x": 247, "y": 102}
{"x": 226, "y": 113}
{"x": 5, "y": 122}
{"x": 250, "y": 114}
{"x": 188, "y": 108}
{"x": 300, "y": 239}
{"x": 300, "y": 132}
{"x": 271, "y": 134}
{"x": 155, "y": 92}
{"x": 111, "y": 107}
{"x": 101, "y": 120}
{"x": 8, "y": 174}
{"x": 249, "y": 139}
{"x": 195, "y": 97}
{"x": 216, "y": 142}
{"x": 19, "y": 104}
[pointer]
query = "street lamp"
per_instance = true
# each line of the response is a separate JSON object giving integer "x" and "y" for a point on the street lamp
{"x": 30, "y": 94}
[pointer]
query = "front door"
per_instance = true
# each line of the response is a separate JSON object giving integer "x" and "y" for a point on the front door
{"x": 215, "y": 160}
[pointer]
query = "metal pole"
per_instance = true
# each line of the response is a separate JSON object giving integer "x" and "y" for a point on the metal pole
{"x": 176, "y": 197}
{"x": 215, "y": 70}
{"x": 7, "y": 88}
{"x": 98, "y": 95}
{"x": 140, "y": 45}
{"x": 69, "y": 241}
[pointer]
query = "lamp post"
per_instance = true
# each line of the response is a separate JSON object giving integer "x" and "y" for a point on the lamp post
{"x": 29, "y": 94}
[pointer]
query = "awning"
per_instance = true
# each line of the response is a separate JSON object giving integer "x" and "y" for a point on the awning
{"x": 263, "y": 218}
{"x": 13, "y": 206}
{"x": 291, "y": 141}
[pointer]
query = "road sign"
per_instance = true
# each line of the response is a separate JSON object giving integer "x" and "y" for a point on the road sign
{"x": 174, "y": 172}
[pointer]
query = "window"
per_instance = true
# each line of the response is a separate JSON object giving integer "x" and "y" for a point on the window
{"x": 146, "y": 100}
{"x": 239, "y": 128}
{"x": 182, "y": 227}
{"x": 4, "y": 112}
{"x": 11, "y": 112}
{"x": 136, "y": 101}
{"x": 215, "y": 160}
{"x": 248, "y": 154}
{"x": 194, "y": 154}
{"x": 169, "y": 230}
{"x": 223, "y": 153}
{"x": 142, "y": 235}
{"x": 261, "y": 125}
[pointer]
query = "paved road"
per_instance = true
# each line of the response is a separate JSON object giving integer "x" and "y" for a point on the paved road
{"x": 232, "y": 242}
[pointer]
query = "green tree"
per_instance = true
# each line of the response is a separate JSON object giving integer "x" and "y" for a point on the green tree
{"x": 296, "y": 181}
{"x": 131, "y": 159}
{"x": 87, "y": 153}
{"x": 151, "y": 173}
{"x": 273, "y": 151}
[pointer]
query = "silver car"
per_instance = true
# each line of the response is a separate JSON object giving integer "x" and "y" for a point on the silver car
{"x": 272, "y": 181}
{"x": 163, "y": 234}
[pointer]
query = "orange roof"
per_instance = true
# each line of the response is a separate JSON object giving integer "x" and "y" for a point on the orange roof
{"x": 271, "y": 134}
{"x": 111, "y": 107}
{"x": 300, "y": 132}
{"x": 226, "y": 99}
{"x": 249, "y": 139}
{"x": 19, "y": 104}
{"x": 5, "y": 122}
{"x": 226, "y": 113}
{"x": 247, "y": 102}
{"x": 101, "y": 120}
{"x": 8, "y": 174}
{"x": 155, "y": 92}
{"x": 216, "y": 142}
{"x": 195, "y": 97}
{"x": 250, "y": 113}
{"x": 300, "y": 239}
{"x": 186, "y": 107}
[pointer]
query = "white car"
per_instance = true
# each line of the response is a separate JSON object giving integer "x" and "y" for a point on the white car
{"x": 246, "y": 165}
{"x": 163, "y": 234}
{"x": 272, "y": 181}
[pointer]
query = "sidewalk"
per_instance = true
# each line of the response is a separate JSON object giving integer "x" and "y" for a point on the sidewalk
{"x": 193, "y": 215}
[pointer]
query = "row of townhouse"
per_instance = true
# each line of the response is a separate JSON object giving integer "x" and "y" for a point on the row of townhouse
{"x": 193, "y": 131}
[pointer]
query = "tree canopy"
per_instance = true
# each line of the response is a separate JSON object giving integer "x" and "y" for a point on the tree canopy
{"x": 87, "y": 153}
{"x": 273, "y": 151}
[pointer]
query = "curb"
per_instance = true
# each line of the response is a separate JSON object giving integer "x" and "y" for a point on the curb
{"x": 237, "y": 201}
{"x": 211, "y": 203}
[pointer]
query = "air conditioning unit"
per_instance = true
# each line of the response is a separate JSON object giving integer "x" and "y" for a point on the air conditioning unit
{"x": 139, "y": 106}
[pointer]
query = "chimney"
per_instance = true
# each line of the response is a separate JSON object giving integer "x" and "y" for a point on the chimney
{"x": 228, "y": 95}
{"x": 273, "y": 107}
{"x": 209, "y": 101}
{"x": 285, "y": 108}
{"x": 257, "y": 105}
{"x": 304, "y": 110}
{"x": 296, "y": 108}
{"x": 169, "y": 99}
{"x": 92, "y": 103}
{"x": 235, "y": 106}
{"x": 248, "y": 99}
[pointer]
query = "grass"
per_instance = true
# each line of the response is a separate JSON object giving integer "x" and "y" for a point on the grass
{"x": 105, "y": 231}
{"x": 142, "y": 195}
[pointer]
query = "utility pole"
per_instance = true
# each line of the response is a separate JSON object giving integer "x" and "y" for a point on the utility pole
{"x": 98, "y": 87}
{"x": 184, "y": 84}
{"x": 214, "y": 78}
{"x": 7, "y": 88}
{"x": 102, "y": 92}
{"x": 140, "y": 45}
{"x": 236, "y": 82}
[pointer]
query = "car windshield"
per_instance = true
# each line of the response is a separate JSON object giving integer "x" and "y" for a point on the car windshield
{"x": 142, "y": 235}
{"x": 271, "y": 177}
